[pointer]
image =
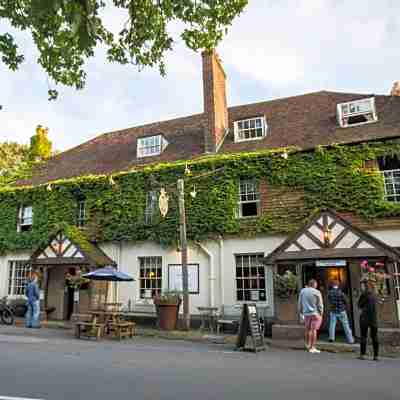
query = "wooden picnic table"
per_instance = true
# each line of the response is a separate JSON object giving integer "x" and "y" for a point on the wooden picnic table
{"x": 114, "y": 323}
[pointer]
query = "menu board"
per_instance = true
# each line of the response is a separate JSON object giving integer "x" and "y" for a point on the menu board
{"x": 175, "y": 278}
{"x": 250, "y": 324}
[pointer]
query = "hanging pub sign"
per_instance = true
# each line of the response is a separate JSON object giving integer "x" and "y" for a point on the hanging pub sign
{"x": 330, "y": 263}
{"x": 250, "y": 325}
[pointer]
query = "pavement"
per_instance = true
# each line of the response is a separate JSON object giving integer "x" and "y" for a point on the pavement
{"x": 51, "y": 364}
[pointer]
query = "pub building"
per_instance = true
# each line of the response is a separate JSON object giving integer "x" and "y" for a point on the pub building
{"x": 330, "y": 248}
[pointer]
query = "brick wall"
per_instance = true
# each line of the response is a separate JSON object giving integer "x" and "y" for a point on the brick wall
{"x": 215, "y": 106}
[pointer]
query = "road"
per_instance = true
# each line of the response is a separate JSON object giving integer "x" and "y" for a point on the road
{"x": 54, "y": 368}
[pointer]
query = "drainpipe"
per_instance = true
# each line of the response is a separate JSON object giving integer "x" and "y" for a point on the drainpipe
{"x": 221, "y": 268}
{"x": 212, "y": 273}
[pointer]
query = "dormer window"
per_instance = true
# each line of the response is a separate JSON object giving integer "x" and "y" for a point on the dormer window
{"x": 250, "y": 129}
{"x": 356, "y": 112}
{"x": 25, "y": 219}
{"x": 151, "y": 146}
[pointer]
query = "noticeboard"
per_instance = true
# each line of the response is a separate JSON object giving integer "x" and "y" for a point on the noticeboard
{"x": 250, "y": 325}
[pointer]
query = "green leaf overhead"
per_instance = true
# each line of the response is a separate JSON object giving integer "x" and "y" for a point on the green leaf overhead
{"x": 67, "y": 32}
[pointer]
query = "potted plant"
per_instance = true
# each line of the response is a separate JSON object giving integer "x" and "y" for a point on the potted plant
{"x": 285, "y": 289}
{"x": 167, "y": 306}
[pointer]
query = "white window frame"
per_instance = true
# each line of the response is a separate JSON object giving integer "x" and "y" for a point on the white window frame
{"x": 239, "y": 131}
{"x": 390, "y": 180}
{"x": 353, "y": 109}
{"x": 251, "y": 278}
{"x": 396, "y": 281}
{"x": 25, "y": 218}
{"x": 150, "y": 265}
{"x": 255, "y": 194}
{"x": 151, "y": 207}
{"x": 18, "y": 271}
{"x": 81, "y": 214}
{"x": 151, "y": 146}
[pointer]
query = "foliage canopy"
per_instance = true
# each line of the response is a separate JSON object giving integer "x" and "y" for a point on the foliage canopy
{"x": 66, "y": 32}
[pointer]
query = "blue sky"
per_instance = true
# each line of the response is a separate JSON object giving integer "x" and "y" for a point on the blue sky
{"x": 276, "y": 48}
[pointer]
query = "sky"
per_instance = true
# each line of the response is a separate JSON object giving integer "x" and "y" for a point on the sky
{"x": 275, "y": 48}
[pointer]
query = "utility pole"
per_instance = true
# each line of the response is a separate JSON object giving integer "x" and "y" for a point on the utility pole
{"x": 184, "y": 258}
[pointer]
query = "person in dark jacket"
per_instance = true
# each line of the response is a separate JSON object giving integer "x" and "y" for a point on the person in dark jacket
{"x": 367, "y": 304}
{"x": 337, "y": 304}
{"x": 33, "y": 294}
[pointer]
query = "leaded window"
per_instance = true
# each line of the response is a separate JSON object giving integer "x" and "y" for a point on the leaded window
{"x": 81, "y": 214}
{"x": 250, "y": 278}
{"x": 250, "y": 129}
{"x": 25, "y": 218}
{"x": 390, "y": 169}
{"x": 18, "y": 272}
{"x": 150, "y": 276}
{"x": 151, "y": 207}
{"x": 249, "y": 198}
{"x": 151, "y": 146}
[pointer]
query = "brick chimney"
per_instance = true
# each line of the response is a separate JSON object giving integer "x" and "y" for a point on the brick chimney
{"x": 395, "y": 89}
{"x": 215, "y": 108}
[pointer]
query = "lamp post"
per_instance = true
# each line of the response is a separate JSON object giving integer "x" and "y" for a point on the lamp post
{"x": 183, "y": 239}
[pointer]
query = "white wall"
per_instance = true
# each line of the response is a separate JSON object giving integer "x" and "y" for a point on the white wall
{"x": 129, "y": 253}
{"x": 216, "y": 261}
{"x": 390, "y": 236}
{"x": 210, "y": 256}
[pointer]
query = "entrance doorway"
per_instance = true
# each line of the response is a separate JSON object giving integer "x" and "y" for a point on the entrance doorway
{"x": 324, "y": 274}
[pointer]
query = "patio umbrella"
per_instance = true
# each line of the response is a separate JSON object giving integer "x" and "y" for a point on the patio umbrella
{"x": 108, "y": 274}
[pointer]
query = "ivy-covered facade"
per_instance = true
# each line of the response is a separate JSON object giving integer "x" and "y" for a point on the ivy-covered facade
{"x": 246, "y": 193}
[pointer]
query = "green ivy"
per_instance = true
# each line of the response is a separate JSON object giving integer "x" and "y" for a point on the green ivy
{"x": 329, "y": 177}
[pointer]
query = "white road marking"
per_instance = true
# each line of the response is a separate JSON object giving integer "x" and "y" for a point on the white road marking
{"x": 20, "y": 339}
{"x": 17, "y": 398}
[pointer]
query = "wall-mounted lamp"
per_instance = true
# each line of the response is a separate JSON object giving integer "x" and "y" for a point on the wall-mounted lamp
{"x": 327, "y": 236}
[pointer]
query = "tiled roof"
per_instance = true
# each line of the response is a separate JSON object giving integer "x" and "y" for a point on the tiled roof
{"x": 304, "y": 121}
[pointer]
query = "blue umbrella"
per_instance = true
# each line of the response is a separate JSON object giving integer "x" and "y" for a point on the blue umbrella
{"x": 108, "y": 274}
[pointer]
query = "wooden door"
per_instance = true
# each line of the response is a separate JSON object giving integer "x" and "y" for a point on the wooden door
{"x": 354, "y": 272}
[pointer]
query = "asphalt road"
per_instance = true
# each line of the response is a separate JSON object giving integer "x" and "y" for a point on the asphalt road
{"x": 64, "y": 368}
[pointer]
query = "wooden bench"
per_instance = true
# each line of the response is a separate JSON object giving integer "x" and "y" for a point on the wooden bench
{"x": 123, "y": 329}
{"x": 230, "y": 315}
{"x": 87, "y": 326}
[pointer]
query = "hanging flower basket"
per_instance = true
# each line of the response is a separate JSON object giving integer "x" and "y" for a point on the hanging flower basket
{"x": 77, "y": 281}
{"x": 376, "y": 274}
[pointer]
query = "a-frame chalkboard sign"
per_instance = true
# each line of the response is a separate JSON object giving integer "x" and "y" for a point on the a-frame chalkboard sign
{"x": 250, "y": 325}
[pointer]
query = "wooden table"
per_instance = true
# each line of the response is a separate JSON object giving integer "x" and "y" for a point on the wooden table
{"x": 208, "y": 317}
{"x": 114, "y": 324}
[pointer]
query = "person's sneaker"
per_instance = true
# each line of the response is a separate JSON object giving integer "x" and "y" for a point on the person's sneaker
{"x": 331, "y": 340}
{"x": 376, "y": 358}
{"x": 361, "y": 357}
{"x": 314, "y": 350}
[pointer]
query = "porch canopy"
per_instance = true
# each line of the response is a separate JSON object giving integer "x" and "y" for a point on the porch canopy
{"x": 69, "y": 246}
{"x": 328, "y": 236}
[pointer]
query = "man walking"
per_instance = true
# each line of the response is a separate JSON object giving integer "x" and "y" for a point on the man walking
{"x": 311, "y": 308}
{"x": 33, "y": 295}
{"x": 368, "y": 320}
{"x": 337, "y": 304}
